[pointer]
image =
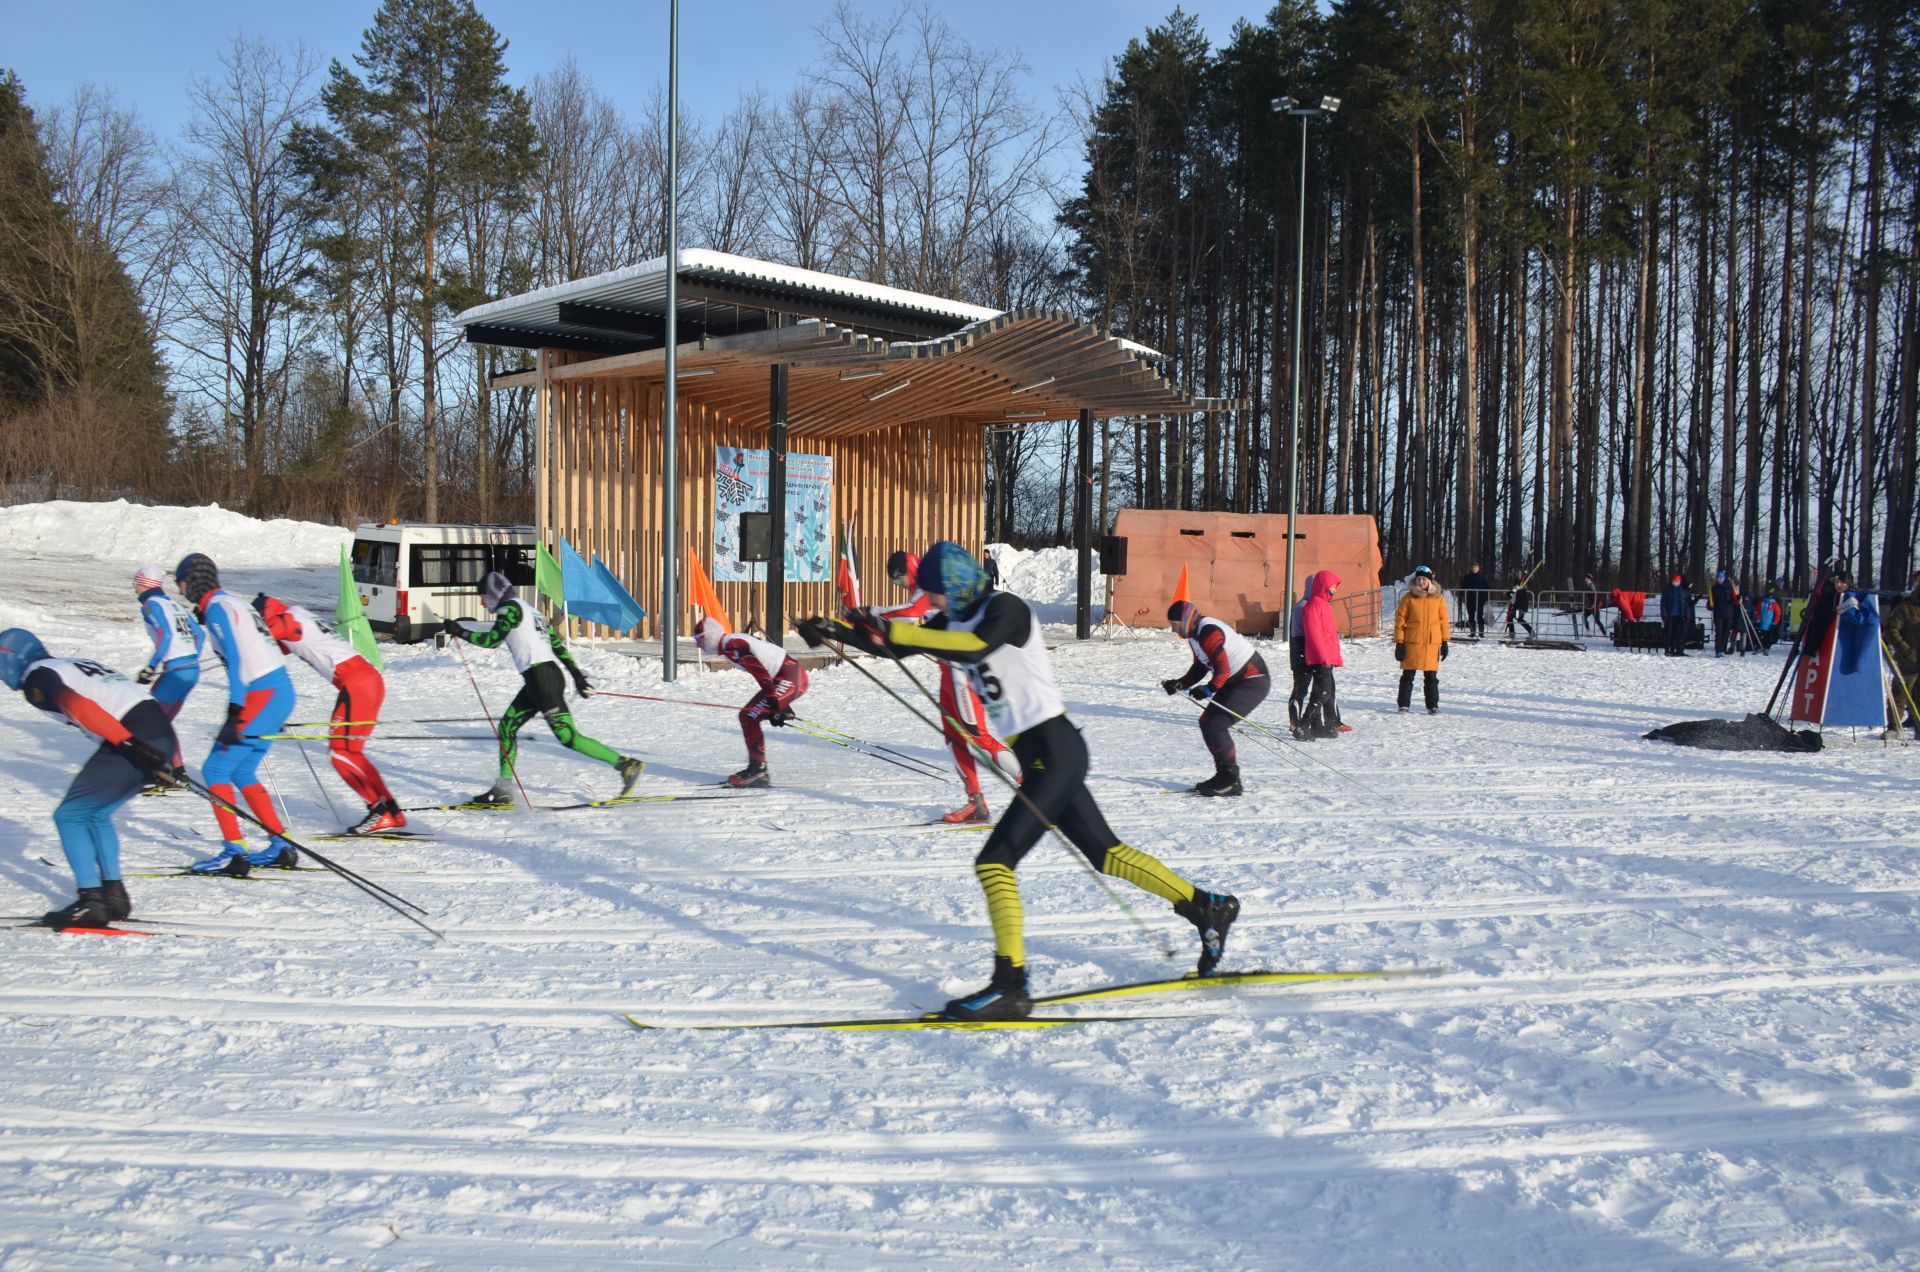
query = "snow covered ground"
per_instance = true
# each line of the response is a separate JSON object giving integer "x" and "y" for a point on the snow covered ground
{"x": 1675, "y": 1023}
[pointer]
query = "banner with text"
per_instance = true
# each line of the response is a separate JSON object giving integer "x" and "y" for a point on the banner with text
{"x": 740, "y": 485}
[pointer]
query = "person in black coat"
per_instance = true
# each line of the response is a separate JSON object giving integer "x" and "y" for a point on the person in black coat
{"x": 1723, "y": 598}
{"x": 1521, "y": 605}
{"x": 1591, "y": 605}
{"x": 1473, "y": 595}
{"x": 992, "y": 568}
{"x": 1676, "y": 611}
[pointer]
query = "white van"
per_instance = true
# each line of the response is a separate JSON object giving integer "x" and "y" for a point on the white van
{"x": 412, "y": 577}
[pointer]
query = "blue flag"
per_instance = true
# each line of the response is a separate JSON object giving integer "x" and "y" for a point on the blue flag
{"x": 589, "y": 596}
{"x": 618, "y": 592}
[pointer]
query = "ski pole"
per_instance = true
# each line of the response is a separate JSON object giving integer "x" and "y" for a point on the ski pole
{"x": 301, "y": 743}
{"x": 800, "y": 726}
{"x": 326, "y": 724}
{"x": 500, "y": 740}
{"x": 818, "y": 730}
{"x": 653, "y": 697}
{"x": 1253, "y": 738}
{"x": 1012, "y": 785}
{"x": 384, "y": 896}
{"x": 1259, "y": 728}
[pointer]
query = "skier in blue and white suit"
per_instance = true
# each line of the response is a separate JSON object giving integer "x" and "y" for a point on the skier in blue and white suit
{"x": 136, "y": 743}
{"x": 259, "y": 700}
{"x": 174, "y": 669}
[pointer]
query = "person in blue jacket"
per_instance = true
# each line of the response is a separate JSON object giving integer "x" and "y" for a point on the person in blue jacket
{"x": 259, "y": 701}
{"x": 1676, "y": 611}
{"x": 178, "y": 639}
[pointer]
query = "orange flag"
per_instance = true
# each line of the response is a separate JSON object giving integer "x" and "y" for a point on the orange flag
{"x": 700, "y": 592}
{"x": 1180, "y": 591}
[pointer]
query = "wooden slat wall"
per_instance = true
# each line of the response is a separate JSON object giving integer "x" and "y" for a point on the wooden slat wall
{"x": 910, "y": 485}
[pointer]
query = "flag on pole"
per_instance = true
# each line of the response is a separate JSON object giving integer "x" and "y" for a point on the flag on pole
{"x": 548, "y": 578}
{"x": 847, "y": 574}
{"x": 1180, "y": 589}
{"x": 618, "y": 591}
{"x": 350, "y": 620}
{"x": 700, "y": 592}
{"x": 593, "y": 594}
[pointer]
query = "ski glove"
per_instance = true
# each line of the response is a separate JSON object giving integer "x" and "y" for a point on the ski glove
{"x": 815, "y": 631}
{"x": 580, "y": 685}
{"x": 231, "y": 733}
{"x": 148, "y": 758}
{"x": 780, "y": 717}
{"x": 1444, "y": 646}
{"x": 1202, "y": 691}
{"x": 147, "y": 675}
{"x": 1400, "y": 651}
{"x": 1172, "y": 685}
{"x": 452, "y": 628}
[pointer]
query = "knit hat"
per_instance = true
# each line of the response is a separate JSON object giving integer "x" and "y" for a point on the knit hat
{"x": 949, "y": 570}
{"x": 149, "y": 578}
{"x": 1182, "y": 616}
{"x": 706, "y": 635}
{"x": 495, "y": 588}
{"x": 19, "y": 650}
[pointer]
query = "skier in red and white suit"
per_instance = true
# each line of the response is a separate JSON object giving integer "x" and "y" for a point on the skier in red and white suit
{"x": 959, "y": 705}
{"x": 301, "y": 633}
{"x": 781, "y": 679}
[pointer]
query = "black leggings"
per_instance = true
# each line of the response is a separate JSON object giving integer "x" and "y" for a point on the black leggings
{"x": 1053, "y": 766}
{"x": 1236, "y": 699}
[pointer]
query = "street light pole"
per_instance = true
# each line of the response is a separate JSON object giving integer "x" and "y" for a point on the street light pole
{"x": 1327, "y": 107}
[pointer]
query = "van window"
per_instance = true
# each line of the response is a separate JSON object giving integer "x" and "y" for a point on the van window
{"x": 376, "y": 563}
{"x": 448, "y": 565}
{"x": 513, "y": 560}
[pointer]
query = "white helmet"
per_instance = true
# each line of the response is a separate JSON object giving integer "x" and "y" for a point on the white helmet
{"x": 707, "y": 633}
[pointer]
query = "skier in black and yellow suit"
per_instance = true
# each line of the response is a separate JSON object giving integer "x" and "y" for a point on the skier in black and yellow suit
{"x": 996, "y": 637}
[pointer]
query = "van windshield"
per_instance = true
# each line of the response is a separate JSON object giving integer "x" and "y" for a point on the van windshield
{"x": 376, "y": 564}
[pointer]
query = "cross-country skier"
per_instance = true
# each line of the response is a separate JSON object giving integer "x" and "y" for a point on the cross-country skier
{"x": 782, "y": 681}
{"x": 960, "y": 710}
{"x": 259, "y": 700}
{"x": 357, "y": 709}
{"x": 174, "y": 669}
{"x": 1420, "y": 631}
{"x": 136, "y": 743}
{"x": 538, "y": 651}
{"x": 1229, "y": 676}
{"x": 997, "y": 638}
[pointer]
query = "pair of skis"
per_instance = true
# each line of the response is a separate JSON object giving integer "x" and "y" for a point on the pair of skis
{"x": 1219, "y": 980}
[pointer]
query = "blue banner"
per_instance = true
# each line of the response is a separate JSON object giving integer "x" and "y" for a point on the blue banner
{"x": 593, "y": 594}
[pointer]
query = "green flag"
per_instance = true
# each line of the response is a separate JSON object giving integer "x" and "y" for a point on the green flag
{"x": 350, "y": 619}
{"x": 547, "y": 577}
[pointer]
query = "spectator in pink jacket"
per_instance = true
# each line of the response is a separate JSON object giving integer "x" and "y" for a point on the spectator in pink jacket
{"x": 1320, "y": 646}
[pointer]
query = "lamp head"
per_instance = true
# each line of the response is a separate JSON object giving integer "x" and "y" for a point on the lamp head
{"x": 1330, "y": 104}
{"x": 1283, "y": 104}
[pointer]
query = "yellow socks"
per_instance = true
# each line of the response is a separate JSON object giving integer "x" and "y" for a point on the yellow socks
{"x": 1003, "y": 909}
{"x": 1144, "y": 871}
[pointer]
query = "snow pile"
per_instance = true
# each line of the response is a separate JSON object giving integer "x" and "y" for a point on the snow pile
{"x": 1045, "y": 576}
{"x": 120, "y": 531}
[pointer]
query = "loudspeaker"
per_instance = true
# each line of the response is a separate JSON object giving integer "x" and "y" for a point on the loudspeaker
{"x": 756, "y": 536}
{"x": 1113, "y": 555}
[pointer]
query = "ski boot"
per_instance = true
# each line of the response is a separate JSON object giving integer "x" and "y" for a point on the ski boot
{"x": 495, "y": 796}
{"x": 630, "y": 768}
{"x": 89, "y": 911}
{"x": 1213, "y": 913}
{"x": 1224, "y": 782}
{"x": 230, "y": 860}
{"x": 973, "y": 812}
{"x": 278, "y": 853}
{"x": 114, "y": 892}
{"x": 754, "y": 774}
{"x": 385, "y": 815}
{"x": 1004, "y": 997}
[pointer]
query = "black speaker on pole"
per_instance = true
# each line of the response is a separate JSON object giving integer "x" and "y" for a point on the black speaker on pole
{"x": 756, "y": 536}
{"x": 1113, "y": 555}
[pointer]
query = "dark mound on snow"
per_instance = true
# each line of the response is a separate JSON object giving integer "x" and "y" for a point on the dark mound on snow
{"x": 1755, "y": 733}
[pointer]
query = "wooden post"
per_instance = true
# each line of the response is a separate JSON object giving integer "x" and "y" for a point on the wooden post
{"x": 777, "y": 500}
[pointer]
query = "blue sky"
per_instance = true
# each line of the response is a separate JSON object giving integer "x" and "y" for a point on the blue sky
{"x": 147, "y": 52}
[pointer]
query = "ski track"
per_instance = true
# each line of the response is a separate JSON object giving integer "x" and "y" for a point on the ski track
{"x": 1673, "y": 1022}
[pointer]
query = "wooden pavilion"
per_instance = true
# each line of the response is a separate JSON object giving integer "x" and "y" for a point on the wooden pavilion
{"x": 897, "y": 389}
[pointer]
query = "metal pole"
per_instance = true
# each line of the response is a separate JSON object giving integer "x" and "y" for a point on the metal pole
{"x": 1293, "y": 430}
{"x": 1083, "y": 532}
{"x": 670, "y": 430}
{"x": 777, "y": 502}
